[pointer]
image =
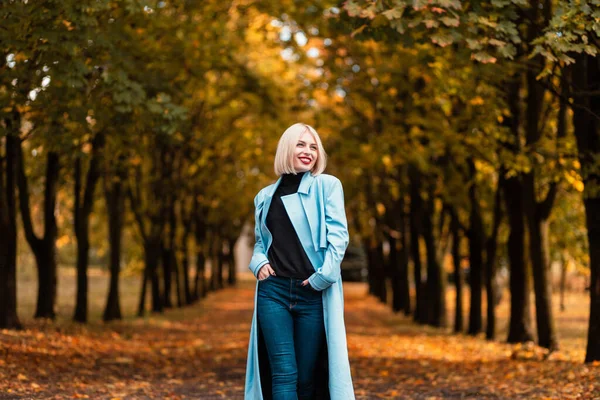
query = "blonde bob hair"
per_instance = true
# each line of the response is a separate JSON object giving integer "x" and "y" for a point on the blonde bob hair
{"x": 284, "y": 157}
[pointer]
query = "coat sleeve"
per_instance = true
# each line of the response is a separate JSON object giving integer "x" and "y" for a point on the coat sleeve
{"x": 259, "y": 258}
{"x": 337, "y": 239}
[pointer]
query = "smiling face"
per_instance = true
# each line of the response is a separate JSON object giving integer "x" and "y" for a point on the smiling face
{"x": 305, "y": 152}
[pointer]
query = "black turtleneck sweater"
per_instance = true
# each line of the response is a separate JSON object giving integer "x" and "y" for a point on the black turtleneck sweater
{"x": 286, "y": 254}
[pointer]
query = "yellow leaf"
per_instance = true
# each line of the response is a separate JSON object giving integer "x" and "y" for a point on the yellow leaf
{"x": 476, "y": 101}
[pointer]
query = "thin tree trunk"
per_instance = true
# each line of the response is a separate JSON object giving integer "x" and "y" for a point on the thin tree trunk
{"x": 43, "y": 248}
{"x": 200, "y": 286}
{"x": 178, "y": 277}
{"x": 152, "y": 254}
{"x": 142, "y": 302}
{"x": 436, "y": 287}
{"x": 490, "y": 263}
{"x": 458, "y": 278}
{"x": 185, "y": 264}
{"x": 9, "y": 318}
{"x": 586, "y": 109}
{"x": 395, "y": 271}
{"x": 416, "y": 204}
{"x": 115, "y": 204}
{"x": 404, "y": 260}
{"x": 520, "y": 309}
{"x": 563, "y": 280}
{"x": 512, "y": 188}
{"x": 476, "y": 240}
{"x": 220, "y": 261}
{"x": 82, "y": 213}
{"x": 167, "y": 276}
{"x": 537, "y": 213}
{"x": 231, "y": 279}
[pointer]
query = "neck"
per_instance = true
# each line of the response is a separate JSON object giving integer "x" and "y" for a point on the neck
{"x": 293, "y": 178}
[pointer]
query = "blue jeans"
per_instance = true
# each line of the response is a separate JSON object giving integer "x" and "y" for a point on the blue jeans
{"x": 291, "y": 321}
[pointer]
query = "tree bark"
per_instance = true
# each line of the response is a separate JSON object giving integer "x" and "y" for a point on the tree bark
{"x": 436, "y": 285}
{"x": 512, "y": 188}
{"x": 458, "y": 278}
{"x": 231, "y": 278}
{"x": 490, "y": 263}
{"x": 200, "y": 231}
{"x": 144, "y": 286}
{"x": 586, "y": 122}
{"x": 563, "y": 280}
{"x": 395, "y": 272}
{"x": 167, "y": 276}
{"x": 520, "y": 308}
{"x": 152, "y": 255}
{"x": 415, "y": 221}
{"x": 404, "y": 257}
{"x": 476, "y": 240}
{"x": 82, "y": 213}
{"x": 9, "y": 318}
{"x": 115, "y": 204}
{"x": 43, "y": 248}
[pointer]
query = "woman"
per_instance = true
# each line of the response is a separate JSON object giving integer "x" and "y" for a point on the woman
{"x": 297, "y": 344}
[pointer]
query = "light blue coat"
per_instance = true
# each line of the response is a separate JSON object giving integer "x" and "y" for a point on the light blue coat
{"x": 319, "y": 218}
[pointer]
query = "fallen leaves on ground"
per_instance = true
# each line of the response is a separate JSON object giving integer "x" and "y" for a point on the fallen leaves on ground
{"x": 199, "y": 352}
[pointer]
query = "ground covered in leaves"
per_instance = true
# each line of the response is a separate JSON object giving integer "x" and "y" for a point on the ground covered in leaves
{"x": 200, "y": 352}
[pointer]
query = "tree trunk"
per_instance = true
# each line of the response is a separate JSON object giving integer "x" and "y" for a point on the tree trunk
{"x": 200, "y": 286}
{"x": 520, "y": 309}
{"x": 512, "y": 188}
{"x": 458, "y": 278}
{"x": 187, "y": 223}
{"x": 371, "y": 273}
{"x": 115, "y": 204}
{"x": 8, "y": 234}
{"x": 82, "y": 213}
{"x": 476, "y": 240}
{"x": 563, "y": 280}
{"x": 185, "y": 265}
{"x": 395, "y": 272}
{"x": 416, "y": 204}
{"x": 404, "y": 259}
{"x": 586, "y": 121}
{"x": 142, "y": 302}
{"x": 436, "y": 287}
{"x": 231, "y": 279}
{"x": 220, "y": 262}
{"x": 152, "y": 254}
{"x": 538, "y": 239}
{"x": 213, "y": 280}
{"x": 167, "y": 275}
{"x": 490, "y": 264}
{"x": 42, "y": 248}
{"x": 178, "y": 277}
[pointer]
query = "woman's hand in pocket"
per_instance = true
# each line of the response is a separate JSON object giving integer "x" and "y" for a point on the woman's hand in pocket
{"x": 265, "y": 272}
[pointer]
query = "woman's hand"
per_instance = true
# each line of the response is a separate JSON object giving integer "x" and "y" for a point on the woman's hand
{"x": 265, "y": 272}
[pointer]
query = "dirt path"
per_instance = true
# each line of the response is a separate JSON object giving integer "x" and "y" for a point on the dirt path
{"x": 200, "y": 353}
